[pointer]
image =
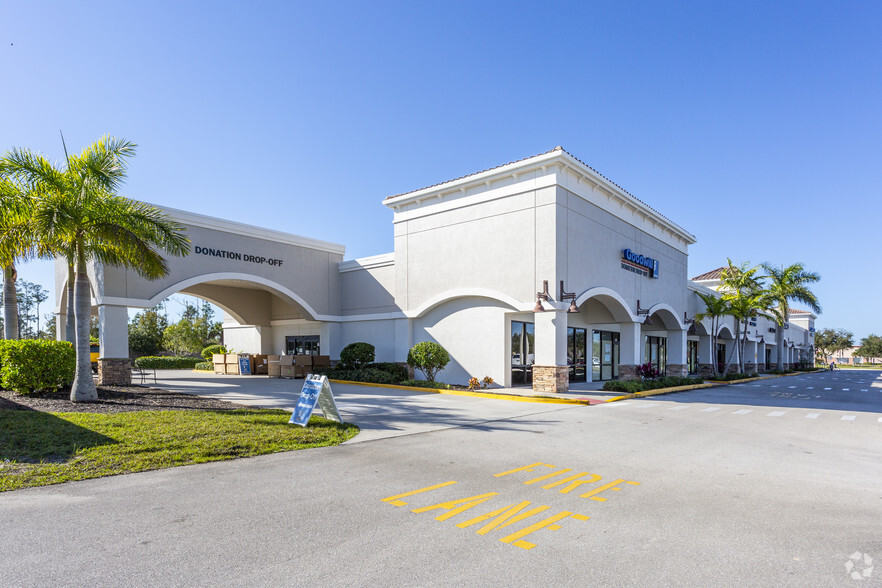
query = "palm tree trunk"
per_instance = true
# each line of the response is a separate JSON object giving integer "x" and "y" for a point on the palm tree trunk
{"x": 779, "y": 343}
{"x": 83, "y": 389}
{"x": 70, "y": 324}
{"x": 10, "y": 304}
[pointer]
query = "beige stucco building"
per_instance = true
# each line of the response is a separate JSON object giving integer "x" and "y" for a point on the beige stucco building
{"x": 491, "y": 266}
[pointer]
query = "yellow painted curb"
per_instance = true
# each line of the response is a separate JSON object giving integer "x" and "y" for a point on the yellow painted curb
{"x": 514, "y": 397}
{"x": 704, "y": 385}
{"x": 658, "y": 391}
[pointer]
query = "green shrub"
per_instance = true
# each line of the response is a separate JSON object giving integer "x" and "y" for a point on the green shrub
{"x": 731, "y": 377}
{"x": 211, "y": 350}
{"x": 371, "y": 375}
{"x": 204, "y": 366}
{"x": 428, "y": 357}
{"x": 357, "y": 355}
{"x": 398, "y": 371}
{"x": 426, "y": 384}
{"x": 633, "y": 386}
{"x": 34, "y": 365}
{"x": 167, "y": 363}
{"x": 626, "y": 386}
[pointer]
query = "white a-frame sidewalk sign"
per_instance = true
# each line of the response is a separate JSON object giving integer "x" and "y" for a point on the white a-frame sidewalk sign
{"x": 315, "y": 389}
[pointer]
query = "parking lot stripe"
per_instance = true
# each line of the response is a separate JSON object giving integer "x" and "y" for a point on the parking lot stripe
{"x": 742, "y": 411}
{"x": 776, "y": 413}
{"x": 812, "y": 415}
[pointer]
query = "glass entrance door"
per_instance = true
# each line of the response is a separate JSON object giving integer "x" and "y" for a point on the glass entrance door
{"x": 522, "y": 353}
{"x": 576, "y": 343}
{"x": 604, "y": 355}
{"x": 302, "y": 345}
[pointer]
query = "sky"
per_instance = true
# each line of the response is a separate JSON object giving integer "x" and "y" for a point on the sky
{"x": 756, "y": 126}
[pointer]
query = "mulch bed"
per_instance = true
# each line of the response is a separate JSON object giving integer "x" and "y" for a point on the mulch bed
{"x": 113, "y": 399}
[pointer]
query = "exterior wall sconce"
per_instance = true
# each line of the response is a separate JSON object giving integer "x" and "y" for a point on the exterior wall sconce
{"x": 647, "y": 321}
{"x": 690, "y": 322}
{"x": 571, "y": 296}
{"x": 541, "y": 296}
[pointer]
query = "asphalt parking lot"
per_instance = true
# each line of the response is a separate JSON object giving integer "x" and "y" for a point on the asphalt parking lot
{"x": 777, "y": 482}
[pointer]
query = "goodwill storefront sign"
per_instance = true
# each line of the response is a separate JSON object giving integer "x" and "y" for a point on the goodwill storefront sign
{"x": 316, "y": 390}
{"x": 639, "y": 264}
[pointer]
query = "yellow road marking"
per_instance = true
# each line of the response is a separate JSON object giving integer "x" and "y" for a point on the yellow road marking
{"x": 611, "y": 486}
{"x": 528, "y": 468}
{"x": 551, "y": 475}
{"x": 517, "y": 538}
{"x": 393, "y": 500}
{"x": 594, "y": 478}
{"x": 451, "y": 507}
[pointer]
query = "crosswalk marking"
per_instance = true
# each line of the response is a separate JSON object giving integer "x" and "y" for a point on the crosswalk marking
{"x": 828, "y": 388}
{"x": 812, "y": 415}
{"x": 711, "y": 409}
{"x": 645, "y": 404}
{"x": 880, "y": 419}
{"x": 791, "y": 386}
{"x": 848, "y": 417}
{"x": 846, "y": 389}
{"x": 742, "y": 411}
{"x": 777, "y": 413}
{"x": 810, "y": 388}
{"x": 680, "y": 407}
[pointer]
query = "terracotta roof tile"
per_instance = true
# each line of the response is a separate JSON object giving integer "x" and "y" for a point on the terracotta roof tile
{"x": 711, "y": 275}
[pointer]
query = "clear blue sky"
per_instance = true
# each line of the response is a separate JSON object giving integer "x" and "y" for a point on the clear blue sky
{"x": 757, "y": 126}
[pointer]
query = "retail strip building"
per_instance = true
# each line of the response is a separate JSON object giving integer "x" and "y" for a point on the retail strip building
{"x": 491, "y": 266}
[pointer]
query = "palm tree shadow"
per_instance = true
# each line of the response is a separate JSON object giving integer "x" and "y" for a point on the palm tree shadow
{"x": 32, "y": 436}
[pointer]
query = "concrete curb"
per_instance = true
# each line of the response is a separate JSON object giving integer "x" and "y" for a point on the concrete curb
{"x": 659, "y": 391}
{"x": 513, "y": 397}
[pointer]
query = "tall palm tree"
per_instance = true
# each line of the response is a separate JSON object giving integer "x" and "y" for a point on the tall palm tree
{"x": 742, "y": 287}
{"x": 79, "y": 212}
{"x": 715, "y": 309}
{"x": 788, "y": 284}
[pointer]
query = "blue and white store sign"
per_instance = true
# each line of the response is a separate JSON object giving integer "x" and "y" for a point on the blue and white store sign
{"x": 639, "y": 264}
{"x": 316, "y": 389}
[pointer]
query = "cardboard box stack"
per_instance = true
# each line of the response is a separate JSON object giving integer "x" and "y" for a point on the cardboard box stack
{"x": 272, "y": 366}
{"x": 286, "y": 366}
{"x": 219, "y": 361}
{"x": 260, "y": 364}
{"x": 302, "y": 365}
{"x": 232, "y": 364}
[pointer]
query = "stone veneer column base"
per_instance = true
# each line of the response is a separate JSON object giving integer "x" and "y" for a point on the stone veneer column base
{"x": 551, "y": 378}
{"x": 676, "y": 370}
{"x": 628, "y": 372}
{"x": 705, "y": 370}
{"x": 114, "y": 371}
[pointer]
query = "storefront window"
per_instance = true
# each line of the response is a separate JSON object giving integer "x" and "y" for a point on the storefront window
{"x": 522, "y": 353}
{"x": 692, "y": 357}
{"x": 656, "y": 353}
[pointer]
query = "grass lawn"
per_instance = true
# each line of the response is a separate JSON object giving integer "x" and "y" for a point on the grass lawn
{"x": 40, "y": 448}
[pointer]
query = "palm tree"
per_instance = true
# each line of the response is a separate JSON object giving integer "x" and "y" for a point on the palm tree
{"x": 788, "y": 284}
{"x": 742, "y": 288}
{"x": 79, "y": 213}
{"x": 17, "y": 242}
{"x": 715, "y": 309}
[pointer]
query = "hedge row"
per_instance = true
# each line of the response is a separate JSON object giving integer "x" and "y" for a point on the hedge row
{"x": 151, "y": 362}
{"x": 34, "y": 365}
{"x": 632, "y": 386}
{"x": 374, "y": 373}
